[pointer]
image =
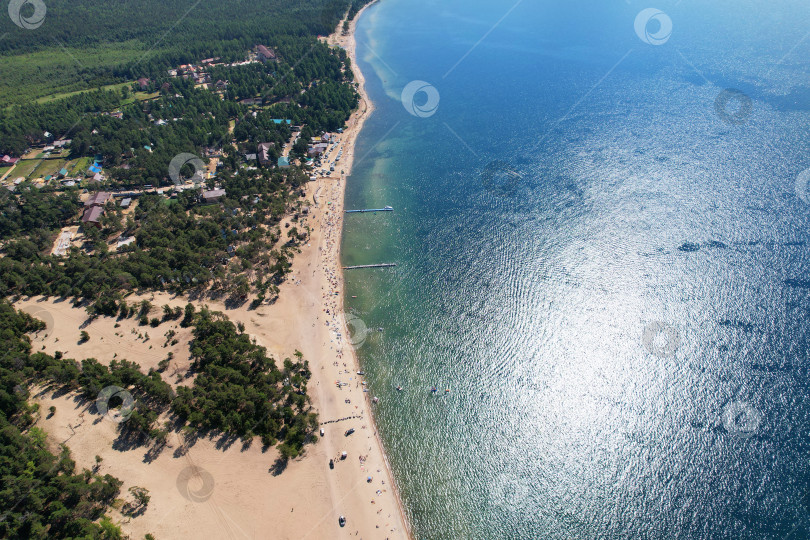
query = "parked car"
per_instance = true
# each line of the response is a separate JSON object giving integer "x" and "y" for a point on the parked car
{"x": 349, "y": 432}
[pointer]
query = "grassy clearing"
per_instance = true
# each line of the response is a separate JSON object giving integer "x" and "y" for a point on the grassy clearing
{"x": 57, "y": 72}
{"x": 54, "y": 97}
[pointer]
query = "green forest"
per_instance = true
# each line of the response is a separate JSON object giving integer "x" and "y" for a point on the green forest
{"x": 84, "y": 44}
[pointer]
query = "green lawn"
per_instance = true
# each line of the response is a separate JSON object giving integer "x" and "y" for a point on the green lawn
{"x": 46, "y": 167}
{"x": 80, "y": 166}
{"x": 25, "y": 167}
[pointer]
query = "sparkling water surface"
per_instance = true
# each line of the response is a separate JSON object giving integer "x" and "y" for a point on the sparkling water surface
{"x": 602, "y": 247}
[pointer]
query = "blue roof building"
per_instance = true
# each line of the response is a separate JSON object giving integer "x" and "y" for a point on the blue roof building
{"x": 283, "y": 162}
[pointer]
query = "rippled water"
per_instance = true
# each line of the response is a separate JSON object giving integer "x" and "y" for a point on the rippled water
{"x": 609, "y": 275}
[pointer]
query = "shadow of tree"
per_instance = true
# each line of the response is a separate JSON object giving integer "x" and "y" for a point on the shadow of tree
{"x": 279, "y": 466}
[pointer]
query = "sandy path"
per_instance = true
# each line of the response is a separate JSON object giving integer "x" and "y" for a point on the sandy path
{"x": 233, "y": 493}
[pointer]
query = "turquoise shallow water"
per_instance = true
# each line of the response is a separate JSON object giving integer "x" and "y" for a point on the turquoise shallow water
{"x": 602, "y": 253}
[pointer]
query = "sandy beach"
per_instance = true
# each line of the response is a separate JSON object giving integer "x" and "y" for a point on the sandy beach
{"x": 218, "y": 489}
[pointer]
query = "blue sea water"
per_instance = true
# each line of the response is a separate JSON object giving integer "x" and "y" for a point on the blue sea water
{"x": 602, "y": 238}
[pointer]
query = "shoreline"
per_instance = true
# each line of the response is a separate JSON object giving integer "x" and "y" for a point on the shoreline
{"x": 363, "y": 112}
{"x": 304, "y": 500}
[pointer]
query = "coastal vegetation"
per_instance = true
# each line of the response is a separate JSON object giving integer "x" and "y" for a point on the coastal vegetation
{"x": 111, "y": 97}
{"x": 42, "y": 494}
{"x": 238, "y": 389}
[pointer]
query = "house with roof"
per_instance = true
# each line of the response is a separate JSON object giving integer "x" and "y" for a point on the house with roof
{"x": 143, "y": 82}
{"x": 213, "y": 195}
{"x": 264, "y": 152}
{"x": 98, "y": 199}
{"x": 264, "y": 54}
{"x": 284, "y": 162}
{"x": 317, "y": 149}
{"x": 92, "y": 216}
{"x": 8, "y": 160}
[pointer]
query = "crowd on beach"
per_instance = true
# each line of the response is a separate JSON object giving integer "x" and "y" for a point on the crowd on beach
{"x": 331, "y": 222}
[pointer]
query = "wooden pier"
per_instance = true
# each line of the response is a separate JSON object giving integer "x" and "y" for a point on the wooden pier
{"x": 382, "y": 265}
{"x": 386, "y": 209}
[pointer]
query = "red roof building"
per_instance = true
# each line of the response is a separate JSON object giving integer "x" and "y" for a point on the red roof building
{"x": 97, "y": 199}
{"x": 265, "y": 53}
{"x": 92, "y": 215}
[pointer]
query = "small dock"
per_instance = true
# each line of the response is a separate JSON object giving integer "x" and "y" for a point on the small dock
{"x": 382, "y": 265}
{"x": 386, "y": 209}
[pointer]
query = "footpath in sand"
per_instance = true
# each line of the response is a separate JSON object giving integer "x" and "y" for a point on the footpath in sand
{"x": 229, "y": 491}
